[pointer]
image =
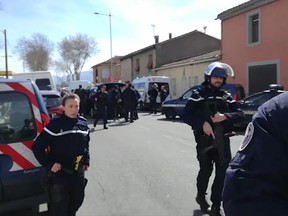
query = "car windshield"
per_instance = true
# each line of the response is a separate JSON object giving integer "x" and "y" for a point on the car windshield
{"x": 259, "y": 99}
{"x": 16, "y": 118}
{"x": 52, "y": 100}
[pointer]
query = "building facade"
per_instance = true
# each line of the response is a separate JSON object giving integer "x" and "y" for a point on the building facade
{"x": 255, "y": 43}
{"x": 188, "y": 72}
{"x": 103, "y": 72}
{"x": 170, "y": 57}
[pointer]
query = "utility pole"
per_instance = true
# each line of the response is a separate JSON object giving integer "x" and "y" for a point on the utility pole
{"x": 110, "y": 27}
{"x": 6, "y": 56}
{"x": 153, "y": 28}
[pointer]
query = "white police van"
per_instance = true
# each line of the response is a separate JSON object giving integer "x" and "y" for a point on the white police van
{"x": 43, "y": 79}
{"x": 144, "y": 84}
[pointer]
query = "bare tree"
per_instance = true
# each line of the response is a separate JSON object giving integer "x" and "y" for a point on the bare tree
{"x": 36, "y": 52}
{"x": 74, "y": 51}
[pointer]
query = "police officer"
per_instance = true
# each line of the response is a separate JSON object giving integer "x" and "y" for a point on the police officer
{"x": 257, "y": 178}
{"x": 130, "y": 101}
{"x": 153, "y": 94}
{"x": 63, "y": 149}
{"x": 163, "y": 94}
{"x": 101, "y": 100}
{"x": 210, "y": 106}
{"x": 83, "y": 99}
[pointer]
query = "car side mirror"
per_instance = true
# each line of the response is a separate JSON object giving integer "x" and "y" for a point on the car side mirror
{"x": 241, "y": 101}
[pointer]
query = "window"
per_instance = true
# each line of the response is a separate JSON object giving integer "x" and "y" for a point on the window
{"x": 268, "y": 73}
{"x": 17, "y": 123}
{"x": 43, "y": 84}
{"x": 187, "y": 94}
{"x": 254, "y": 28}
{"x": 137, "y": 67}
{"x": 140, "y": 87}
{"x": 150, "y": 62}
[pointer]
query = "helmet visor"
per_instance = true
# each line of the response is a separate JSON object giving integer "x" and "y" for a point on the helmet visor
{"x": 219, "y": 69}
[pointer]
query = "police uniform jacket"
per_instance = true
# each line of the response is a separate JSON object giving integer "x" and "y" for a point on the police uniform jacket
{"x": 102, "y": 99}
{"x": 153, "y": 93}
{"x": 199, "y": 108}
{"x": 129, "y": 97}
{"x": 257, "y": 178}
{"x": 61, "y": 141}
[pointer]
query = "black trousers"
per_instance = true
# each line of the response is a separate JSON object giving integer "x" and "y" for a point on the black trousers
{"x": 66, "y": 194}
{"x": 101, "y": 113}
{"x": 153, "y": 105}
{"x": 207, "y": 160}
{"x": 129, "y": 111}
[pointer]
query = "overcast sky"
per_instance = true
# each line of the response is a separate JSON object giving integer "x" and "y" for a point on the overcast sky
{"x": 134, "y": 23}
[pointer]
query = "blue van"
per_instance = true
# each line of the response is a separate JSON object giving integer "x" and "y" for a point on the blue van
{"x": 175, "y": 107}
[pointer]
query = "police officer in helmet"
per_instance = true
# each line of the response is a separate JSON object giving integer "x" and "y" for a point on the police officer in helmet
{"x": 207, "y": 107}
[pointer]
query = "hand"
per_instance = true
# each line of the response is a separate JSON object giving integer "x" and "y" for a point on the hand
{"x": 208, "y": 129}
{"x": 56, "y": 167}
{"x": 218, "y": 117}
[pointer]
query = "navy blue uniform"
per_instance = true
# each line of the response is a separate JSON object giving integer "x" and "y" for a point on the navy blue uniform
{"x": 130, "y": 101}
{"x": 257, "y": 178}
{"x": 101, "y": 104}
{"x": 200, "y": 107}
{"x": 153, "y": 94}
{"x": 65, "y": 138}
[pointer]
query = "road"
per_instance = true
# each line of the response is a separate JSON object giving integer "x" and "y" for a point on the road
{"x": 146, "y": 168}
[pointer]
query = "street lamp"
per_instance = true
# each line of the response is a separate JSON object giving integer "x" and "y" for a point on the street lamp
{"x": 6, "y": 56}
{"x": 111, "y": 61}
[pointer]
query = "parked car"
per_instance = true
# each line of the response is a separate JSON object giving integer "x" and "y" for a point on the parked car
{"x": 175, "y": 107}
{"x": 23, "y": 115}
{"x": 251, "y": 103}
{"x": 95, "y": 89}
{"x": 53, "y": 102}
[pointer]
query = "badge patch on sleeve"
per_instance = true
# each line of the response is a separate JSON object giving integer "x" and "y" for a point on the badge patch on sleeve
{"x": 247, "y": 137}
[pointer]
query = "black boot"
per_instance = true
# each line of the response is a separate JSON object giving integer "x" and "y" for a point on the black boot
{"x": 215, "y": 211}
{"x": 204, "y": 206}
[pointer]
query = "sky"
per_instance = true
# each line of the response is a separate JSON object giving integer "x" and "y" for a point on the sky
{"x": 134, "y": 23}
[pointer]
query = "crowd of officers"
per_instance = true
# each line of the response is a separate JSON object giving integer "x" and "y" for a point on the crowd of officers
{"x": 120, "y": 103}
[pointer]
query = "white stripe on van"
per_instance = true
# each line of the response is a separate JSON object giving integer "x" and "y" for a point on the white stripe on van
{"x": 25, "y": 152}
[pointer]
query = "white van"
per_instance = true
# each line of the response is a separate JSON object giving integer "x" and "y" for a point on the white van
{"x": 73, "y": 85}
{"x": 144, "y": 84}
{"x": 43, "y": 79}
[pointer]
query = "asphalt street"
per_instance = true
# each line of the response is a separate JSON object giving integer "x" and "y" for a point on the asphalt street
{"x": 145, "y": 168}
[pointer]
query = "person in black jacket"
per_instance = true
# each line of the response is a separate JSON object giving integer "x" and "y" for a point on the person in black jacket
{"x": 63, "y": 149}
{"x": 208, "y": 108}
{"x": 138, "y": 96}
{"x": 101, "y": 100}
{"x": 114, "y": 99}
{"x": 163, "y": 94}
{"x": 130, "y": 99}
{"x": 153, "y": 94}
{"x": 83, "y": 99}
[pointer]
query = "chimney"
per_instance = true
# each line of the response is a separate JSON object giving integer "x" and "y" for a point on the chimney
{"x": 156, "y": 39}
{"x": 170, "y": 35}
